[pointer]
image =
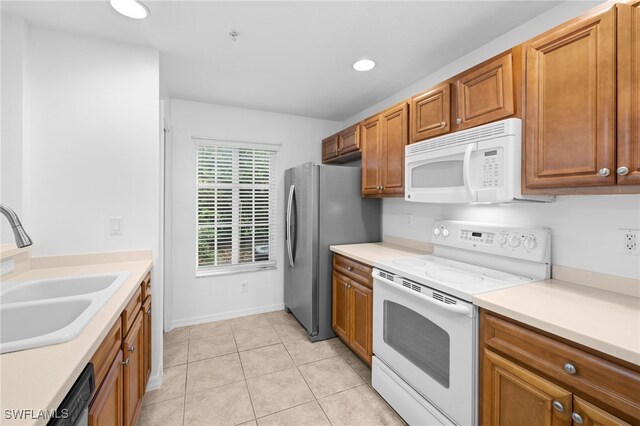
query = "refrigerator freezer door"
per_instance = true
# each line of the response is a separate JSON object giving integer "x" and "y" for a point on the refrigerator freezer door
{"x": 301, "y": 278}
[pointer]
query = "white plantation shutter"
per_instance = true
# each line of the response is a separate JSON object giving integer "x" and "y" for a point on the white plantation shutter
{"x": 236, "y": 208}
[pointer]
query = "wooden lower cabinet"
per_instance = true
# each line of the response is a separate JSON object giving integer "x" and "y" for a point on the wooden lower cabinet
{"x": 133, "y": 350}
{"x": 352, "y": 306}
{"x": 106, "y": 407}
{"x": 528, "y": 377}
{"x": 146, "y": 349}
{"x": 360, "y": 320}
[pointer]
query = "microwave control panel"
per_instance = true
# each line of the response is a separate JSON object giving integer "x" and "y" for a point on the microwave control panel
{"x": 492, "y": 167}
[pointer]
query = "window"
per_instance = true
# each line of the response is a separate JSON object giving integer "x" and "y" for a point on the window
{"x": 236, "y": 209}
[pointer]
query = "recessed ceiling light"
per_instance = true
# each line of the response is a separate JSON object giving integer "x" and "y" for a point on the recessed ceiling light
{"x": 130, "y": 8}
{"x": 364, "y": 65}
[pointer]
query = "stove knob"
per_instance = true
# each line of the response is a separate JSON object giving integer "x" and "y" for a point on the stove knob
{"x": 530, "y": 242}
{"x": 445, "y": 232}
{"x": 514, "y": 241}
{"x": 436, "y": 231}
{"x": 502, "y": 239}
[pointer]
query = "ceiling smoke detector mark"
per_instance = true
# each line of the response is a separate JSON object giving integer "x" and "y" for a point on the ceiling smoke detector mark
{"x": 234, "y": 35}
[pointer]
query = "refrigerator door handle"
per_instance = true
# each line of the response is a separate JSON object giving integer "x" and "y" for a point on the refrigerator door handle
{"x": 289, "y": 208}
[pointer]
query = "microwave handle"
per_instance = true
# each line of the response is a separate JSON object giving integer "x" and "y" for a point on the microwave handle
{"x": 466, "y": 170}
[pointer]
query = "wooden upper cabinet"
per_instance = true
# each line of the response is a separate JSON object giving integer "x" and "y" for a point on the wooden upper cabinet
{"x": 570, "y": 125}
{"x": 628, "y": 159}
{"x": 394, "y": 138}
{"x": 430, "y": 113}
{"x": 349, "y": 140}
{"x": 513, "y": 395}
{"x": 329, "y": 148}
{"x": 485, "y": 93}
{"x": 370, "y": 134}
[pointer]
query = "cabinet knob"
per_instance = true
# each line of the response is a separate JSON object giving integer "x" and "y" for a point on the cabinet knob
{"x": 570, "y": 368}
{"x": 348, "y": 285}
{"x": 132, "y": 348}
{"x": 125, "y": 362}
{"x": 557, "y": 405}
{"x": 604, "y": 172}
{"x": 148, "y": 285}
{"x": 622, "y": 171}
{"x": 149, "y": 311}
{"x": 577, "y": 418}
{"x": 458, "y": 120}
{"x": 443, "y": 124}
{"x": 349, "y": 268}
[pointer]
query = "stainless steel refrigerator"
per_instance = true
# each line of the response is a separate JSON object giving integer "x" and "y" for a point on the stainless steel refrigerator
{"x": 323, "y": 208}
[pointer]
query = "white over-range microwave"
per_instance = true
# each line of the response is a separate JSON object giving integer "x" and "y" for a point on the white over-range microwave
{"x": 479, "y": 165}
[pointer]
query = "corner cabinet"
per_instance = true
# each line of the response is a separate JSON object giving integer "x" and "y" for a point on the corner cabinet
{"x": 122, "y": 364}
{"x": 352, "y": 305}
{"x": 383, "y": 139}
{"x": 531, "y": 377}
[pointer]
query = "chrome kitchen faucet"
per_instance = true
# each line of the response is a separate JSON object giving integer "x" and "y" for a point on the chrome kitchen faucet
{"x": 22, "y": 239}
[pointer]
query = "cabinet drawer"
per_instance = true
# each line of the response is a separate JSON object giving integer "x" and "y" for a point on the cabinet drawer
{"x": 146, "y": 286}
{"x": 352, "y": 269}
{"x": 103, "y": 357}
{"x": 612, "y": 385}
{"x": 130, "y": 311}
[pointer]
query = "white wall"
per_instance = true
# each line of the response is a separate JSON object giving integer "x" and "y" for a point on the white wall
{"x": 12, "y": 53}
{"x": 584, "y": 228}
{"x": 90, "y": 148}
{"x": 215, "y": 297}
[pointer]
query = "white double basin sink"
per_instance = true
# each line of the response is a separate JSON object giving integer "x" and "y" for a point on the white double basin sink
{"x": 50, "y": 311}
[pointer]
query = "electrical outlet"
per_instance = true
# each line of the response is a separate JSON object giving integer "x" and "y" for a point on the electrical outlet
{"x": 630, "y": 239}
{"x": 244, "y": 287}
{"x": 115, "y": 225}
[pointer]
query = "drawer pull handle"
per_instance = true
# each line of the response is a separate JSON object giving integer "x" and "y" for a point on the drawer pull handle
{"x": 570, "y": 368}
{"x": 349, "y": 268}
{"x": 557, "y": 405}
{"x": 577, "y": 418}
{"x": 125, "y": 362}
{"x": 132, "y": 348}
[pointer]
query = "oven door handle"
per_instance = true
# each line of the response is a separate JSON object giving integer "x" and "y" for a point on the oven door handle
{"x": 457, "y": 309}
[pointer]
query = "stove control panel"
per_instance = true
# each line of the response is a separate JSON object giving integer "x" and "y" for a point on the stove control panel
{"x": 522, "y": 242}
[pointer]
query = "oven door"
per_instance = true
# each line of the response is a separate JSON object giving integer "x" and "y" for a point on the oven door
{"x": 440, "y": 176}
{"x": 429, "y": 343}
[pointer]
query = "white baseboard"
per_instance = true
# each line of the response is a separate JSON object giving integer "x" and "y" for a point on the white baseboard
{"x": 155, "y": 381}
{"x": 225, "y": 315}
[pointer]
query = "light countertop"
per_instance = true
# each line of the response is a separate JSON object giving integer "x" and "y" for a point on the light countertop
{"x": 39, "y": 378}
{"x": 369, "y": 253}
{"x": 603, "y": 320}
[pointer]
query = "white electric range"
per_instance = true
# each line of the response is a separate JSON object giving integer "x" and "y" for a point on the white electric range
{"x": 425, "y": 328}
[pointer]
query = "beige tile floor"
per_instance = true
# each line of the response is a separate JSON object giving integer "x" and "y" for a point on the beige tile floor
{"x": 261, "y": 370}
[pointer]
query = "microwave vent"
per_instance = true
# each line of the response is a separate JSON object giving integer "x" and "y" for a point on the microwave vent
{"x": 490, "y": 131}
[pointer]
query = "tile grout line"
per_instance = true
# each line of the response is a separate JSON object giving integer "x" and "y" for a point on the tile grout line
{"x": 246, "y": 384}
{"x": 186, "y": 377}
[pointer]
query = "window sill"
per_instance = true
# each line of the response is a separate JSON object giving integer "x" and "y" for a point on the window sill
{"x": 234, "y": 270}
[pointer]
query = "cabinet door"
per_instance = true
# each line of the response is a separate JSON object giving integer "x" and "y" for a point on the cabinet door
{"x": 571, "y": 104}
{"x": 430, "y": 113}
{"x": 146, "y": 348}
{"x": 329, "y": 148}
{"x": 395, "y": 135}
{"x": 512, "y": 395}
{"x": 370, "y": 135}
{"x": 485, "y": 93}
{"x": 340, "y": 304}
{"x": 348, "y": 140}
{"x": 592, "y": 415}
{"x": 132, "y": 347}
{"x": 360, "y": 320}
{"x": 106, "y": 407}
{"x": 628, "y": 159}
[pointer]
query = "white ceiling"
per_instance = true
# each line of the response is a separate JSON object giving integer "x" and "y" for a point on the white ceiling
{"x": 293, "y": 57}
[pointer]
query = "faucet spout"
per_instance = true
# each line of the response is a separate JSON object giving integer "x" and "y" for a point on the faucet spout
{"x": 21, "y": 237}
